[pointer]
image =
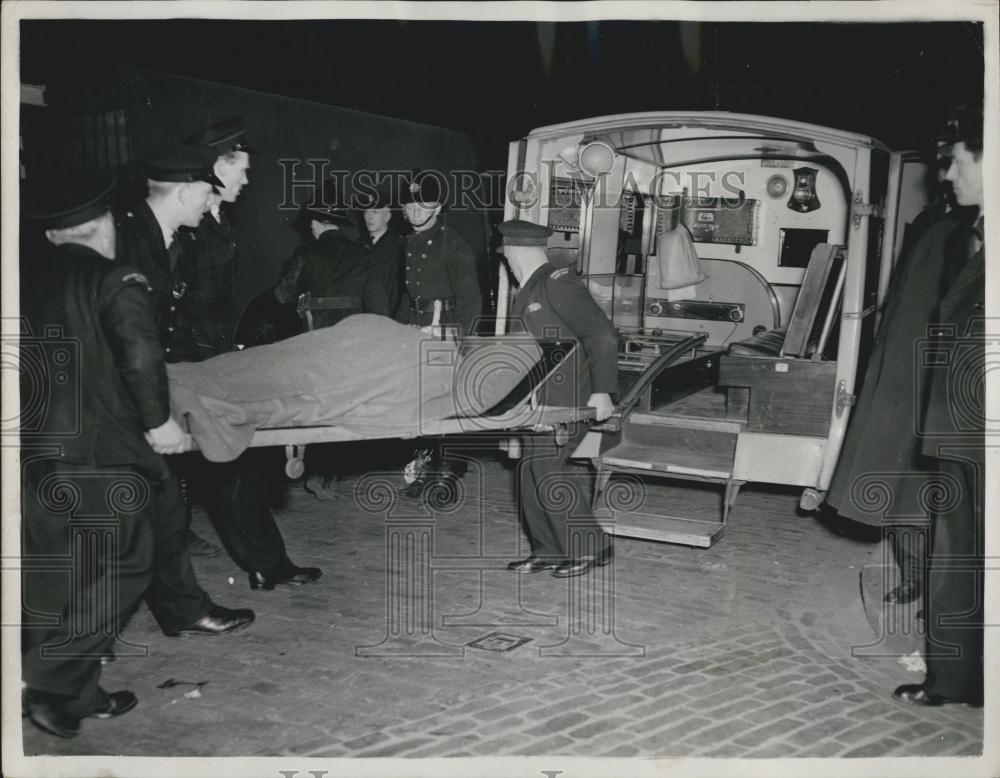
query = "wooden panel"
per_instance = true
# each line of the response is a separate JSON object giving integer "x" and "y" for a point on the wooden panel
{"x": 808, "y": 303}
{"x": 704, "y": 462}
{"x": 789, "y": 396}
{"x": 665, "y": 529}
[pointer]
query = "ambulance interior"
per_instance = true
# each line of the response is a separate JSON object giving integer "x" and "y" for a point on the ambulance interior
{"x": 720, "y": 254}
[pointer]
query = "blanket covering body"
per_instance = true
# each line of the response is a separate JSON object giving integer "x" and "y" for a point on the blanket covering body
{"x": 368, "y": 375}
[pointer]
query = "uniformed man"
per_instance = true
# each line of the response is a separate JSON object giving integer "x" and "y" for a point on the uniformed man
{"x": 180, "y": 181}
{"x": 954, "y": 429}
{"x": 233, "y": 492}
{"x": 96, "y": 445}
{"x": 211, "y": 296}
{"x": 441, "y": 278}
{"x": 441, "y": 293}
{"x": 333, "y": 266}
{"x": 554, "y": 303}
{"x": 383, "y": 288}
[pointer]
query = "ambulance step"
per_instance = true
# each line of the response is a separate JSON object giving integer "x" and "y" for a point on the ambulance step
{"x": 663, "y": 529}
{"x": 702, "y": 464}
{"x": 685, "y": 422}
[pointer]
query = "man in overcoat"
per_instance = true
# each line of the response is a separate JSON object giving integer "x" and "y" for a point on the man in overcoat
{"x": 92, "y": 468}
{"x": 180, "y": 181}
{"x": 954, "y": 435}
{"x": 881, "y": 485}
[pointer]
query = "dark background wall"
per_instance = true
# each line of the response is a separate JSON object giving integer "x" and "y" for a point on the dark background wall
{"x": 497, "y": 80}
{"x": 158, "y": 110}
{"x": 377, "y": 89}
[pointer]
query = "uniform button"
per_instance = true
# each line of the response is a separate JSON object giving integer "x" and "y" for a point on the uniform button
{"x": 170, "y": 329}
{"x": 173, "y": 308}
{"x": 407, "y": 267}
{"x": 423, "y": 256}
{"x": 429, "y": 242}
{"x": 409, "y": 253}
{"x": 167, "y": 350}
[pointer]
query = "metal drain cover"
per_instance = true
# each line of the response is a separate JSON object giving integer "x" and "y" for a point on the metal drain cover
{"x": 498, "y": 642}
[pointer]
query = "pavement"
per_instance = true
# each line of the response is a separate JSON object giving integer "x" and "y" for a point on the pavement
{"x": 758, "y": 647}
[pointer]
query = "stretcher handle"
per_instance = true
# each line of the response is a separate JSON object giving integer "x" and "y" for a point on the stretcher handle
{"x": 614, "y": 422}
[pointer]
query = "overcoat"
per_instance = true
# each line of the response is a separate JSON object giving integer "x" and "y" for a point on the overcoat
{"x": 881, "y": 472}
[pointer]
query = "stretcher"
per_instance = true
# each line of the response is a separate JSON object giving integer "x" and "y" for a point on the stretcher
{"x": 520, "y": 410}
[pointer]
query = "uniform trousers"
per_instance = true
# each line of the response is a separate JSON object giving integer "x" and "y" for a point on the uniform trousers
{"x": 88, "y": 541}
{"x": 236, "y": 497}
{"x": 554, "y": 499}
{"x": 175, "y": 597}
{"x": 954, "y": 609}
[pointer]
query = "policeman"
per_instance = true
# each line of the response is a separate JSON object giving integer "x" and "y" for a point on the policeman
{"x": 441, "y": 293}
{"x": 384, "y": 249}
{"x": 180, "y": 181}
{"x": 441, "y": 278}
{"x": 109, "y": 426}
{"x": 554, "y": 303}
{"x": 234, "y": 492}
{"x": 211, "y": 296}
{"x": 333, "y": 267}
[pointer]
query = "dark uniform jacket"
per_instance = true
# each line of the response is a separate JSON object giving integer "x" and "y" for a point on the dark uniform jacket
{"x": 171, "y": 274}
{"x": 384, "y": 285}
{"x": 555, "y": 305}
{"x": 211, "y": 309}
{"x": 882, "y": 449}
{"x": 333, "y": 266}
{"x": 440, "y": 265}
{"x": 117, "y": 384}
{"x": 955, "y": 410}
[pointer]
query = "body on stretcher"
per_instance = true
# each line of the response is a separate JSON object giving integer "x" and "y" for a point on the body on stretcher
{"x": 520, "y": 410}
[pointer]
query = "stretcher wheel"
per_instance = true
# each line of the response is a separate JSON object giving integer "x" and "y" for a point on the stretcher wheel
{"x": 562, "y": 435}
{"x": 294, "y": 464}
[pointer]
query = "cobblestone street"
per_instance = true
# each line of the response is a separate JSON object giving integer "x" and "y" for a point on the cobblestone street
{"x": 756, "y": 647}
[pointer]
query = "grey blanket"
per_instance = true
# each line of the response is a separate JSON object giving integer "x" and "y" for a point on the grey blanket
{"x": 368, "y": 375}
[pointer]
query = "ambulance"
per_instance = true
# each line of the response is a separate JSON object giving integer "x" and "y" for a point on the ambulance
{"x": 742, "y": 260}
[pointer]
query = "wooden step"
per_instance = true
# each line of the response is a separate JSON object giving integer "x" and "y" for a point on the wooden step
{"x": 700, "y": 463}
{"x": 664, "y": 529}
{"x": 685, "y": 422}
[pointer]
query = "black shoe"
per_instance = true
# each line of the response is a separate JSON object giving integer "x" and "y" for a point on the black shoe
{"x": 917, "y": 694}
{"x": 198, "y": 546}
{"x": 117, "y": 704}
{"x": 218, "y": 621}
{"x": 904, "y": 593}
{"x": 294, "y": 576}
{"x": 54, "y": 719}
{"x": 412, "y": 490}
{"x": 533, "y": 564}
{"x": 584, "y": 564}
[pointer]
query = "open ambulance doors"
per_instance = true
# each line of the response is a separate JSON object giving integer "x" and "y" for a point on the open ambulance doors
{"x": 741, "y": 366}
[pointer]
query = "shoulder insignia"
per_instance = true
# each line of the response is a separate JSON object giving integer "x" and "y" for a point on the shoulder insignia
{"x": 559, "y": 273}
{"x": 534, "y": 307}
{"x": 139, "y": 278}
